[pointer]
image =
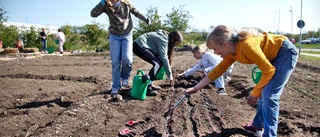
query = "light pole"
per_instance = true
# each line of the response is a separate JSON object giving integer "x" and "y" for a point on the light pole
{"x": 300, "y": 30}
{"x": 27, "y": 17}
{"x": 291, "y": 22}
{"x": 279, "y": 23}
{"x": 274, "y": 25}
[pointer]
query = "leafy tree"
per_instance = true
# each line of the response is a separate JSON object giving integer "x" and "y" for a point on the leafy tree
{"x": 178, "y": 19}
{"x": 94, "y": 35}
{"x": 154, "y": 24}
{"x": 3, "y": 17}
{"x": 8, "y": 35}
{"x": 32, "y": 39}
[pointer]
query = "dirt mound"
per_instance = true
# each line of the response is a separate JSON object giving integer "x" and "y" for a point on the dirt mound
{"x": 69, "y": 96}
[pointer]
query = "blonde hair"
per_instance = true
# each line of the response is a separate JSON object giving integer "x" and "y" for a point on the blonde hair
{"x": 201, "y": 48}
{"x": 223, "y": 33}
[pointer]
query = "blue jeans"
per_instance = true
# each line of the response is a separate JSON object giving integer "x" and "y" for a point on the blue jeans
{"x": 121, "y": 57}
{"x": 44, "y": 45}
{"x": 268, "y": 106}
{"x": 219, "y": 82}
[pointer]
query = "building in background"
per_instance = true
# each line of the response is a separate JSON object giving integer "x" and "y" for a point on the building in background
{"x": 25, "y": 27}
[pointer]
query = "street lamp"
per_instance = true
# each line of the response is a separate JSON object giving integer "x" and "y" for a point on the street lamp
{"x": 291, "y": 22}
{"x": 279, "y": 23}
{"x": 274, "y": 25}
{"x": 300, "y": 30}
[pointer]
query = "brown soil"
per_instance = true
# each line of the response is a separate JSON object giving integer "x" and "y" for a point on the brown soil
{"x": 55, "y": 95}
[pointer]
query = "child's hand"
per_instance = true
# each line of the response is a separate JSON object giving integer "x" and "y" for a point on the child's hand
{"x": 252, "y": 100}
{"x": 180, "y": 75}
{"x": 191, "y": 90}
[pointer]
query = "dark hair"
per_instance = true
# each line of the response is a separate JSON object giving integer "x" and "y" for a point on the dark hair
{"x": 59, "y": 30}
{"x": 174, "y": 36}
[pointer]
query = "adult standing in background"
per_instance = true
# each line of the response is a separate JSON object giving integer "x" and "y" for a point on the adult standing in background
{"x": 43, "y": 37}
{"x": 120, "y": 29}
{"x": 61, "y": 37}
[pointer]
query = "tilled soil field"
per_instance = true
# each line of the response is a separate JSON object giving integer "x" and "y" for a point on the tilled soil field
{"x": 68, "y": 95}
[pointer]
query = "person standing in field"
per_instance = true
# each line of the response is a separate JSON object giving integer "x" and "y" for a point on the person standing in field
{"x": 120, "y": 29}
{"x": 61, "y": 37}
{"x": 43, "y": 36}
{"x": 275, "y": 56}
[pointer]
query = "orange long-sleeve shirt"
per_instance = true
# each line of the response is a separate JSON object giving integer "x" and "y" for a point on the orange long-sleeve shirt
{"x": 253, "y": 50}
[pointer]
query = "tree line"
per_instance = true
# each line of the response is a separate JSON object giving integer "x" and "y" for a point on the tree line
{"x": 94, "y": 36}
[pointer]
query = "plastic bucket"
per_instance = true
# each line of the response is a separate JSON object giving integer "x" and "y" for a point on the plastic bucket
{"x": 161, "y": 74}
{"x": 139, "y": 89}
{"x": 50, "y": 50}
{"x": 56, "y": 41}
{"x": 256, "y": 74}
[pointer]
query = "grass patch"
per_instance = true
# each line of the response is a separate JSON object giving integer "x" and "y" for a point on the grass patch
{"x": 311, "y": 52}
{"x": 308, "y": 58}
{"x": 309, "y": 46}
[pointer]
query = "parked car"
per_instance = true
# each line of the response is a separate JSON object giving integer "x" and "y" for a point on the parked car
{"x": 309, "y": 41}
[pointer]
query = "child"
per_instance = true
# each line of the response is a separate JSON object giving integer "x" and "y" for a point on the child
{"x": 157, "y": 48}
{"x": 207, "y": 62}
{"x": 120, "y": 29}
{"x": 275, "y": 56}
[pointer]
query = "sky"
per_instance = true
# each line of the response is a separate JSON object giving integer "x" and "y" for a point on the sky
{"x": 268, "y": 15}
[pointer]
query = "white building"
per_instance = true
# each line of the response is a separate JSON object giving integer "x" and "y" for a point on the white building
{"x": 23, "y": 27}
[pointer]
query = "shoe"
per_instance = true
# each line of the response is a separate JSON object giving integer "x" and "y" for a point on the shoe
{"x": 150, "y": 92}
{"x": 114, "y": 91}
{"x": 253, "y": 130}
{"x": 125, "y": 83}
{"x": 227, "y": 79}
{"x": 221, "y": 91}
{"x": 116, "y": 97}
{"x": 154, "y": 87}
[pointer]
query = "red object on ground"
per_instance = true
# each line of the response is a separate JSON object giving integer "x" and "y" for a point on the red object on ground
{"x": 127, "y": 132}
{"x": 133, "y": 123}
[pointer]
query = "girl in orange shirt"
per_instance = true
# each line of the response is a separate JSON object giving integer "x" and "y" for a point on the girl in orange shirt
{"x": 275, "y": 56}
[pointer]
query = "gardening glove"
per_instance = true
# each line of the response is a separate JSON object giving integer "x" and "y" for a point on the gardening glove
{"x": 103, "y": 2}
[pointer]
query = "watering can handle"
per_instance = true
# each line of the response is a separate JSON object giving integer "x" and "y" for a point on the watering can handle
{"x": 255, "y": 78}
{"x": 140, "y": 71}
{"x": 253, "y": 70}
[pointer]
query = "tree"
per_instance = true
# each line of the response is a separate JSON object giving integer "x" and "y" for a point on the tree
{"x": 154, "y": 23}
{"x": 178, "y": 19}
{"x": 8, "y": 35}
{"x": 32, "y": 39}
{"x": 94, "y": 35}
{"x": 3, "y": 17}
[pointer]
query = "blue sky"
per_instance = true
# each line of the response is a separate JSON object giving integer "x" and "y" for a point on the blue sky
{"x": 263, "y": 14}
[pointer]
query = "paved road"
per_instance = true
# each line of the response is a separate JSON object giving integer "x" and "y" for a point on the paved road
{"x": 317, "y": 50}
{"x": 308, "y": 54}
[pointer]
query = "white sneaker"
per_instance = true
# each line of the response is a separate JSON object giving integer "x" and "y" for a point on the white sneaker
{"x": 125, "y": 83}
{"x": 227, "y": 79}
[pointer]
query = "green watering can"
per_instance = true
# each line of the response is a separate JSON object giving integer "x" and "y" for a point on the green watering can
{"x": 140, "y": 85}
{"x": 256, "y": 74}
{"x": 161, "y": 74}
